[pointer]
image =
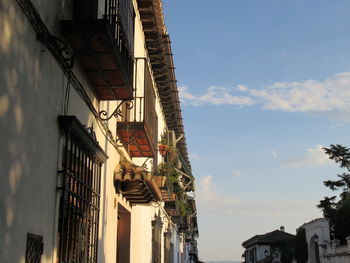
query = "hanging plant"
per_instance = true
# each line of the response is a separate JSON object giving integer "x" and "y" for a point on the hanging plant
{"x": 182, "y": 207}
{"x": 162, "y": 146}
{"x": 162, "y": 149}
{"x": 172, "y": 153}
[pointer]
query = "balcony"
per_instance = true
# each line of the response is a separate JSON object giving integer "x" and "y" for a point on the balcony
{"x": 166, "y": 175}
{"x": 137, "y": 129}
{"x": 172, "y": 208}
{"x": 103, "y": 46}
{"x": 168, "y": 190}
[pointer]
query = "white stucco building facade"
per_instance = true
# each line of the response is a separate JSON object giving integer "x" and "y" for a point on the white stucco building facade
{"x": 88, "y": 93}
{"x": 321, "y": 248}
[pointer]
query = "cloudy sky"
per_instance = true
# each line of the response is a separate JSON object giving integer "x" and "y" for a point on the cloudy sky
{"x": 264, "y": 85}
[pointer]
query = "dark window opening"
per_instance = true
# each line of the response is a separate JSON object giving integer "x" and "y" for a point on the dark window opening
{"x": 167, "y": 255}
{"x": 80, "y": 200}
{"x": 34, "y": 248}
{"x": 156, "y": 239}
{"x": 121, "y": 17}
{"x": 172, "y": 253}
{"x": 123, "y": 235}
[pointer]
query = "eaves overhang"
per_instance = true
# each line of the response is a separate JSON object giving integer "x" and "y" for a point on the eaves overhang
{"x": 158, "y": 46}
{"x": 136, "y": 184}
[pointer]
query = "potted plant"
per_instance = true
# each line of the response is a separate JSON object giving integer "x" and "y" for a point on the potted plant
{"x": 160, "y": 175}
{"x": 182, "y": 207}
{"x": 172, "y": 153}
{"x": 162, "y": 146}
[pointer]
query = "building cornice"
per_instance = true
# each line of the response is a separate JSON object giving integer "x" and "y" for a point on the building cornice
{"x": 158, "y": 45}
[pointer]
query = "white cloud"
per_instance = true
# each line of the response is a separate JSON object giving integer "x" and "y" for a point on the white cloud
{"x": 331, "y": 96}
{"x": 213, "y": 203}
{"x": 338, "y": 125}
{"x": 242, "y": 88}
{"x": 313, "y": 157}
{"x": 274, "y": 154}
{"x": 206, "y": 188}
{"x": 215, "y": 96}
{"x": 236, "y": 173}
{"x": 194, "y": 156}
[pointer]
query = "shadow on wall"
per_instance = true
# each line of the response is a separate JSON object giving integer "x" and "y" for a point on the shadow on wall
{"x": 31, "y": 95}
{"x": 23, "y": 140}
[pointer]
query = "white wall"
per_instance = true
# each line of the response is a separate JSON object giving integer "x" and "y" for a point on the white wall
{"x": 261, "y": 251}
{"x": 321, "y": 228}
{"x": 336, "y": 254}
{"x": 31, "y": 98}
{"x": 30, "y": 102}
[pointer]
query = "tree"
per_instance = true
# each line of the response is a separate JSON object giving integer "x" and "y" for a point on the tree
{"x": 287, "y": 253}
{"x": 300, "y": 246}
{"x": 337, "y": 209}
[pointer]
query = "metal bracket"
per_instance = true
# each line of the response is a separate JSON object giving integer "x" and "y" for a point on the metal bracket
{"x": 144, "y": 165}
{"x": 117, "y": 112}
{"x": 65, "y": 51}
{"x": 131, "y": 140}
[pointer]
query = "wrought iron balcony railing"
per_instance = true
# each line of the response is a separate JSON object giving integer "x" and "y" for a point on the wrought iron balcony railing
{"x": 104, "y": 45}
{"x": 138, "y": 126}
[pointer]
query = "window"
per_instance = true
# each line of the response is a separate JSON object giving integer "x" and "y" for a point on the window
{"x": 156, "y": 239}
{"x": 80, "y": 199}
{"x": 34, "y": 248}
{"x": 127, "y": 19}
{"x": 172, "y": 253}
{"x": 123, "y": 235}
{"x": 121, "y": 15}
{"x": 167, "y": 249}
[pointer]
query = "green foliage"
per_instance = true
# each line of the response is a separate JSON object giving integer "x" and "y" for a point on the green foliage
{"x": 168, "y": 169}
{"x": 182, "y": 207}
{"x": 341, "y": 225}
{"x": 163, "y": 140}
{"x": 300, "y": 246}
{"x": 287, "y": 253}
{"x": 339, "y": 154}
{"x": 337, "y": 210}
{"x": 178, "y": 190}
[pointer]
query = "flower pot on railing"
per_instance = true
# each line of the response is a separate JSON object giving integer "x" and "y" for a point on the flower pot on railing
{"x": 162, "y": 149}
{"x": 172, "y": 154}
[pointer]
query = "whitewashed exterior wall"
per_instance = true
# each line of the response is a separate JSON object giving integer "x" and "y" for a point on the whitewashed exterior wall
{"x": 31, "y": 98}
{"x": 334, "y": 254}
{"x": 260, "y": 251}
{"x": 329, "y": 251}
{"x": 320, "y": 227}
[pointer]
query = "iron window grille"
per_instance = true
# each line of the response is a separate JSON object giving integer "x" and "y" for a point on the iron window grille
{"x": 167, "y": 256}
{"x": 80, "y": 200}
{"x": 121, "y": 16}
{"x": 157, "y": 225}
{"x": 172, "y": 253}
{"x": 34, "y": 248}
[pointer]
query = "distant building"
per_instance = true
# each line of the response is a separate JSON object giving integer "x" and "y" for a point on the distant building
{"x": 267, "y": 248}
{"x": 321, "y": 248}
{"x": 317, "y": 234}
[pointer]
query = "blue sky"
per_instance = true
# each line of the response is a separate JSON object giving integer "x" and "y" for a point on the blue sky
{"x": 265, "y": 84}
